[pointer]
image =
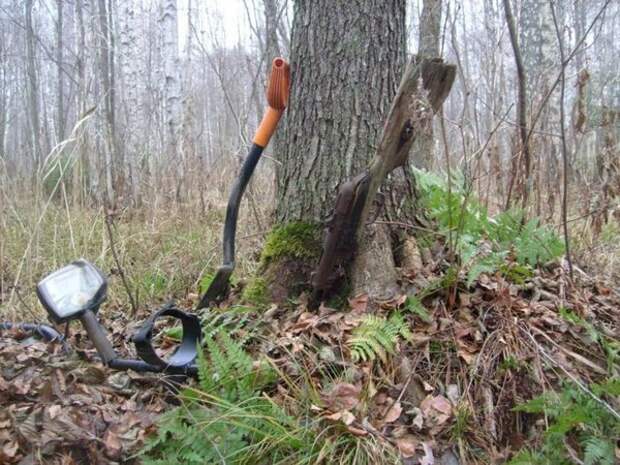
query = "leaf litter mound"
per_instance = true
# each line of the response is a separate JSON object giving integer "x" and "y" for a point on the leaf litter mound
{"x": 440, "y": 390}
{"x": 65, "y": 407}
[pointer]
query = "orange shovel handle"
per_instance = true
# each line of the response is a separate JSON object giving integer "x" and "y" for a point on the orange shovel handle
{"x": 277, "y": 97}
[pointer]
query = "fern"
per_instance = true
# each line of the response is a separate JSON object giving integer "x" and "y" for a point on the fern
{"x": 414, "y": 305}
{"x": 598, "y": 452}
{"x": 609, "y": 345}
{"x": 231, "y": 373}
{"x": 232, "y": 423}
{"x": 481, "y": 241}
{"x": 526, "y": 457}
{"x": 377, "y": 337}
{"x": 573, "y": 412}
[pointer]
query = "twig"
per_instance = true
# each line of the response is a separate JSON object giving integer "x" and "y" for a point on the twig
{"x": 563, "y": 137}
{"x": 572, "y": 453}
{"x": 132, "y": 301}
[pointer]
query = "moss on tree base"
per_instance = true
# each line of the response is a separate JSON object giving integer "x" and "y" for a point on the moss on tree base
{"x": 290, "y": 254}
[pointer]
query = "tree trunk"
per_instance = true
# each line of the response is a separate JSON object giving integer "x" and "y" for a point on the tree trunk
{"x": 80, "y": 177}
{"x": 131, "y": 88}
{"x": 4, "y": 106}
{"x": 430, "y": 29}
{"x": 521, "y": 111}
{"x": 33, "y": 87}
{"x": 346, "y": 60}
{"x": 108, "y": 99}
{"x": 346, "y": 63}
{"x": 172, "y": 86}
{"x": 60, "y": 94}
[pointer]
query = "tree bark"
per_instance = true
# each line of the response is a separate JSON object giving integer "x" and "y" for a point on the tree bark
{"x": 521, "y": 110}
{"x": 33, "y": 86}
{"x": 411, "y": 111}
{"x": 346, "y": 58}
{"x": 60, "y": 93}
{"x": 346, "y": 61}
{"x": 131, "y": 72}
{"x": 172, "y": 87}
{"x": 429, "y": 40}
{"x": 105, "y": 69}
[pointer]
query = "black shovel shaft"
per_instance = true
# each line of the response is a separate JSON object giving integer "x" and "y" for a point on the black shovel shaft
{"x": 234, "y": 201}
{"x": 220, "y": 283}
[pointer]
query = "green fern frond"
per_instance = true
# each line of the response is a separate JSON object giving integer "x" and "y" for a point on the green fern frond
{"x": 526, "y": 457}
{"x": 598, "y": 452}
{"x": 400, "y": 325}
{"x": 377, "y": 337}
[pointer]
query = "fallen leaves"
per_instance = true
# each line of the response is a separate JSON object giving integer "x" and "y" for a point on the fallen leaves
{"x": 342, "y": 396}
{"x": 393, "y": 413}
{"x": 57, "y": 407}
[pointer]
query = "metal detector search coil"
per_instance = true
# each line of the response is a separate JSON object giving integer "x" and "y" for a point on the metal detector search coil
{"x": 69, "y": 292}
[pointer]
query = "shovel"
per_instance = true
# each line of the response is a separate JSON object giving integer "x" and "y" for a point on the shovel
{"x": 277, "y": 98}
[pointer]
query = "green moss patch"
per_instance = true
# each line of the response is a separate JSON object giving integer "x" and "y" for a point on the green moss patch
{"x": 255, "y": 293}
{"x": 296, "y": 240}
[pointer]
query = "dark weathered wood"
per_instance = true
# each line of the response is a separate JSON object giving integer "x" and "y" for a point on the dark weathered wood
{"x": 423, "y": 88}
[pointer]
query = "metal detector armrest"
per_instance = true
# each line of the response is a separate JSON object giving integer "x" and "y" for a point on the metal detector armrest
{"x": 185, "y": 355}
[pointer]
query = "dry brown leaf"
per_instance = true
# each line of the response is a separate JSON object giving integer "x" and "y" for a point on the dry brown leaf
{"x": 305, "y": 321}
{"x": 357, "y": 431}
{"x": 437, "y": 410}
{"x": 10, "y": 449}
{"x": 112, "y": 443}
{"x": 334, "y": 416}
{"x": 393, "y": 413}
{"x": 359, "y": 303}
{"x": 466, "y": 356}
{"x": 407, "y": 445}
{"x": 342, "y": 396}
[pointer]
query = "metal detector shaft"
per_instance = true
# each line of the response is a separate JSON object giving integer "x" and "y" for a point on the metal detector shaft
{"x": 277, "y": 97}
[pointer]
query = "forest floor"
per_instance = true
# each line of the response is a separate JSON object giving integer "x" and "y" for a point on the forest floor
{"x": 444, "y": 388}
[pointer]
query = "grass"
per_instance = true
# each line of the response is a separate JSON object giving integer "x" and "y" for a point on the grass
{"x": 165, "y": 253}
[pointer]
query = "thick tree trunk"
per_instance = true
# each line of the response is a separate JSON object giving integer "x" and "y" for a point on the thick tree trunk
{"x": 346, "y": 62}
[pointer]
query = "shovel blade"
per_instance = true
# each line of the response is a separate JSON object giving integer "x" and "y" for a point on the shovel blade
{"x": 218, "y": 288}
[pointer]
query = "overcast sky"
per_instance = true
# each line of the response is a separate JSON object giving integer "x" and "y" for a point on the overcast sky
{"x": 225, "y": 20}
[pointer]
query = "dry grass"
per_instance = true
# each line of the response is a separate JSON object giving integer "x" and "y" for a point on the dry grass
{"x": 165, "y": 247}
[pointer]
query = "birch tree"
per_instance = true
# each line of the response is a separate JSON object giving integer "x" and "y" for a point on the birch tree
{"x": 171, "y": 83}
